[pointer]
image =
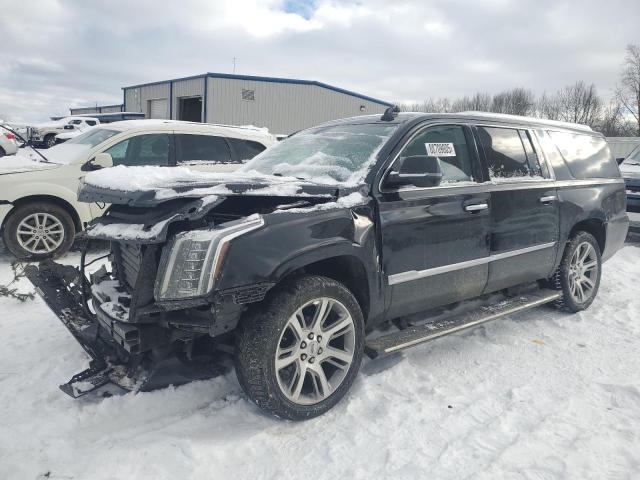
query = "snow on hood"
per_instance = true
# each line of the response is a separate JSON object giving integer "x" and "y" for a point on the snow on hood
{"x": 20, "y": 163}
{"x": 26, "y": 160}
{"x": 151, "y": 177}
{"x": 148, "y": 186}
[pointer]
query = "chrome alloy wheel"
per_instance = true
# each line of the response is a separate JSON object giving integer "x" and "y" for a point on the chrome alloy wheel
{"x": 315, "y": 351}
{"x": 583, "y": 272}
{"x": 40, "y": 233}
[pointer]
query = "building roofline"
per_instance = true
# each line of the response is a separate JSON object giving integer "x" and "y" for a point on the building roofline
{"x": 266, "y": 79}
{"x": 94, "y": 106}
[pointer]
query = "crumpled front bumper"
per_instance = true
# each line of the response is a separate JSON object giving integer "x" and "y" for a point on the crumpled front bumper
{"x": 61, "y": 287}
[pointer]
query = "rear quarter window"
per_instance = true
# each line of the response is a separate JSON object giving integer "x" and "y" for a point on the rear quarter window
{"x": 586, "y": 156}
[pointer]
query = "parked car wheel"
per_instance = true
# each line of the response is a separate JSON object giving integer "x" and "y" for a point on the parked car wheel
{"x": 36, "y": 231}
{"x": 2, "y": 152}
{"x": 50, "y": 140}
{"x": 298, "y": 353}
{"x": 578, "y": 275}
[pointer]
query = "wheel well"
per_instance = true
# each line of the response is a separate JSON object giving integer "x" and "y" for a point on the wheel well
{"x": 593, "y": 226}
{"x": 345, "y": 269}
{"x": 51, "y": 199}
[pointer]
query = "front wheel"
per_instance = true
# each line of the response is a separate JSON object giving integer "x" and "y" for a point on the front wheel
{"x": 578, "y": 275}
{"x": 298, "y": 353}
{"x": 35, "y": 231}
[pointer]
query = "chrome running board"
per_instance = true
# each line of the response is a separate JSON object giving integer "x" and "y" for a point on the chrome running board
{"x": 416, "y": 335}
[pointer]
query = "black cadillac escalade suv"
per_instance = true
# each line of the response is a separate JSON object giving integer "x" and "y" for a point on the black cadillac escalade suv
{"x": 297, "y": 263}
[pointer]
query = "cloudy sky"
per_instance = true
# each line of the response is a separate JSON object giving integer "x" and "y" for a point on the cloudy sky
{"x": 60, "y": 53}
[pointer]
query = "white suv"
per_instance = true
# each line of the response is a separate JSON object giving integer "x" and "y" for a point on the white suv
{"x": 39, "y": 211}
{"x": 44, "y": 134}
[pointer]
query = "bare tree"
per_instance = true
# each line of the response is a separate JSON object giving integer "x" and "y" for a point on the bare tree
{"x": 479, "y": 102}
{"x": 614, "y": 122}
{"x": 517, "y": 101}
{"x": 577, "y": 103}
{"x": 628, "y": 90}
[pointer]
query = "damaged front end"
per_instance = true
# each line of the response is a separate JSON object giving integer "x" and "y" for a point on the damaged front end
{"x": 151, "y": 316}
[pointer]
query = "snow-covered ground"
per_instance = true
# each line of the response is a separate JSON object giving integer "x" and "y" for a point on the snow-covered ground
{"x": 540, "y": 395}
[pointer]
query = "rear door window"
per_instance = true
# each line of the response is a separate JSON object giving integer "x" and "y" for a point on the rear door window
{"x": 245, "y": 149}
{"x": 454, "y": 157}
{"x": 586, "y": 156}
{"x": 202, "y": 149}
{"x": 505, "y": 153}
{"x": 152, "y": 149}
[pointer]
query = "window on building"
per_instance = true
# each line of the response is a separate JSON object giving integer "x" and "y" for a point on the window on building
{"x": 202, "y": 148}
{"x": 248, "y": 95}
{"x": 504, "y": 151}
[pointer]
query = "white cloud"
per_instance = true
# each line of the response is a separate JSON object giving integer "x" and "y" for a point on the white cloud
{"x": 61, "y": 53}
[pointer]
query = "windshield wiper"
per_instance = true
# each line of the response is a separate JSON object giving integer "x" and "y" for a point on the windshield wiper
{"x": 278, "y": 174}
{"x": 46, "y": 160}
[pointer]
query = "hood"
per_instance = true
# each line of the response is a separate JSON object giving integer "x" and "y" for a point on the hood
{"x": 150, "y": 186}
{"x": 12, "y": 164}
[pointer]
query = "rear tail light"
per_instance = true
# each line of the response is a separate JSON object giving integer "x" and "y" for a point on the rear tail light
{"x": 10, "y": 136}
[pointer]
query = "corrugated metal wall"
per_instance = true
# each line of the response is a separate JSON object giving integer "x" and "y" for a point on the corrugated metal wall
{"x": 282, "y": 107}
{"x": 137, "y": 99}
{"x": 83, "y": 111}
{"x": 186, "y": 88}
{"x": 98, "y": 109}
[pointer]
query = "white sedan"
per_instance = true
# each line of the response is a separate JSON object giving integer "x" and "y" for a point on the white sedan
{"x": 39, "y": 210}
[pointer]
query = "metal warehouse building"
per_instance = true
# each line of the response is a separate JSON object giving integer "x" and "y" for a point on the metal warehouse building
{"x": 96, "y": 109}
{"x": 283, "y": 105}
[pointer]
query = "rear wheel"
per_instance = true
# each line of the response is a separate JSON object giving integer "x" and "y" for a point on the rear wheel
{"x": 298, "y": 354}
{"x": 50, "y": 140}
{"x": 578, "y": 275}
{"x": 36, "y": 231}
{"x": 2, "y": 152}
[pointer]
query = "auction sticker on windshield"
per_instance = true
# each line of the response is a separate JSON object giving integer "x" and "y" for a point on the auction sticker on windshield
{"x": 440, "y": 149}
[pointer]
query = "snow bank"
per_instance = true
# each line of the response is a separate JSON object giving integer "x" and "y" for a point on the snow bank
{"x": 539, "y": 395}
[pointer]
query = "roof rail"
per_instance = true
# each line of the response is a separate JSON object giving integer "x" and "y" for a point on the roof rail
{"x": 543, "y": 121}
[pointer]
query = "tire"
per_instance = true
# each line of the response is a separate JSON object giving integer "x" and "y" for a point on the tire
{"x": 563, "y": 279}
{"x": 25, "y": 246}
{"x": 2, "y": 152}
{"x": 267, "y": 332}
{"x": 49, "y": 140}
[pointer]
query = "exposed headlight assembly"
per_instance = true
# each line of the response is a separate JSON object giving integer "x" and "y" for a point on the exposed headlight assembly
{"x": 191, "y": 263}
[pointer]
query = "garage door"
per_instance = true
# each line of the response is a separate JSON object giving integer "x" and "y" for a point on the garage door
{"x": 158, "y": 108}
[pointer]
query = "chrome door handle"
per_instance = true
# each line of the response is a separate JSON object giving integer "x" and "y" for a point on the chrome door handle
{"x": 550, "y": 198}
{"x": 476, "y": 207}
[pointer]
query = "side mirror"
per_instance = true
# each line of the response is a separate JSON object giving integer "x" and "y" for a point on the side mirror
{"x": 620, "y": 160}
{"x": 101, "y": 160}
{"x": 418, "y": 171}
{"x": 69, "y": 127}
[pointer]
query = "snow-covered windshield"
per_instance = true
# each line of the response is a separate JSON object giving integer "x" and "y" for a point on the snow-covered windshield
{"x": 92, "y": 137}
{"x": 339, "y": 153}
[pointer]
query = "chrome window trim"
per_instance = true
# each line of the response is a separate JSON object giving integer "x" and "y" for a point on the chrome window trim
{"x": 411, "y": 275}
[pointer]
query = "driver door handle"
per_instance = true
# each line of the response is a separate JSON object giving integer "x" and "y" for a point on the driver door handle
{"x": 476, "y": 207}
{"x": 549, "y": 199}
